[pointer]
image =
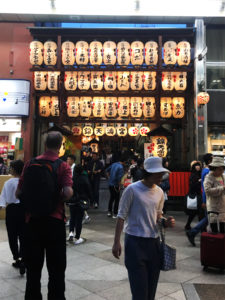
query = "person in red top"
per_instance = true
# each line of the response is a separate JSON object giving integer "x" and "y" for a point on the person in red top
{"x": 47, "y": 235}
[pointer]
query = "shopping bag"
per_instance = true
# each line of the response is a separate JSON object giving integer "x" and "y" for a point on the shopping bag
{"x": 192, "y": 202}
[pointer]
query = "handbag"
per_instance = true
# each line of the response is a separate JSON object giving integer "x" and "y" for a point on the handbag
{"x": 83, "y": 204}
{"x": 192, "y": 203}
{"x": 167, "y": 252}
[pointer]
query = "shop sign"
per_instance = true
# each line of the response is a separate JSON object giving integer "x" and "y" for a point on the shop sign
{"x": 123, "y": 53}
{"x": 50, "y": 53}
{"x": 9, "y": 125}
{"x": 170, "y": 57}
{"x": 68, "y": 53}
{"x": 81, "y": 53}
{"x": 36, "y": 53}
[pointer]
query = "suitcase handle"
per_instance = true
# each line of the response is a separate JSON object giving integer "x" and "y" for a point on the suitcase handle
{"x": 213, "y": 212}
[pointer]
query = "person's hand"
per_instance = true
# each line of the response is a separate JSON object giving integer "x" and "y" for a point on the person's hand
{"x": 170, "y": 222}
{"x": 116, "y": 250}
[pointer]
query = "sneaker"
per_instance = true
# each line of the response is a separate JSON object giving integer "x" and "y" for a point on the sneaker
{"x": 86, "y": 220}
{"x": 68, "y": 223}
{"x": 96, "y": 205}
{"x": 16, "y": 264}
{"x": 191, "y": 237}
{"x": 109, "y": 214}
{"x": 79, "y": 241}
{"x": 70, "y": 237}
{"x": 114, "y": 216}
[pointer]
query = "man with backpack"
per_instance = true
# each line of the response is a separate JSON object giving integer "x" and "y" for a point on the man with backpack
{"x": 46, "y": 182}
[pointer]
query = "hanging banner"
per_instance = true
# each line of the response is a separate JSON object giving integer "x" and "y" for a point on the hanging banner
{"x": 70, "y": 81}
{"x": 81, "y": 54}
{"x": 149, "y": 107}
{"x": 68, "y": 53}
{"x": 151, "y": 53}
{"x": 137, "y": 55}
{"x": 50, "y": 53}
{"x": 109, "y": 53}
{"x": 136, "y": 81}
{"x": 36, "y": 53}
{"x": 73, "y": 106}
{"x": 123, "y": 53}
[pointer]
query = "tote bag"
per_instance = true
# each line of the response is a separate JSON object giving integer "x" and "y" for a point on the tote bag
{"x": 192, "y": 203}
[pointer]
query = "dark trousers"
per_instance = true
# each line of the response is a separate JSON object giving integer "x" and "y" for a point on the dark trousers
{"x": 15, "y": 224}
{"x": 200, "y": 213}
{"x": 142, "y": 260}
{"x": 95, "y": 183}
{"x": 45, "y": 236}
{"x": 214, "y": 227}
{"x": 114, "y": 199}
{"x": 76, "y": 217}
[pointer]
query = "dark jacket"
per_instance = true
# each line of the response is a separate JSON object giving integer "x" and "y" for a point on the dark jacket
{"x": 98, "y": 167}
{"x": 81, "y": 186}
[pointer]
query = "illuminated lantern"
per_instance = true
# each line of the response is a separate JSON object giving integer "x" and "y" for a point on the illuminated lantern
{"x": 62, "y": 149}
{"x": 183, "y": 53}
{"x": 36, "y": 53}
{"x": 144, "y": 130}
{"x": 165, "y": 107}
{"x": 55, "y": 106}
{"x": 87, "y": 131}
{"x": 99, "y": 107}
{"x": 137, "y": 56}
{"x": 68, "y": 53}
{"x": 159, "y": 146}
{"x": 95, "y": 53}
{"x": 203, "y": 98}
{"x": 76, "y": 130}
{"x": 73, "y": 106}
{"x": 85, "y": 106}
{"x": 133, "y": 131}
{"x": 82, "y": 53}
{"x": 178, "y": 108}
{"x": 121, "y": 131}
{"x": 123, "y": 81}
{"x": 151, "y": 53}
{"x": 50, "y": 53}
{"x": 110, "y": 81}
{"x": 84, "y": 80}
{"x": 149, "y": 81}
{"x": 96, "y": 81}
{"x": 110, "y": 131}
{"x": 70, "y": 81}
{"x": 167, "y": 81}
{"x": 40, "y": 81}
{"x": 123, "y": 53}
{"x": 86, "y": 139}
{"x": 170, "y": 57}
{"x": 99, "y": 131}
{"x": 180, "y": 81}
{"x": 44, "y": 106}
{"x": 123, "y": 107}
{"x": 136, "y": 107}
{"x": 109, "y": 53}
{"x": 149, "y": 107}
{"x": 53, "y": 79}
{"x": 136, "y": 80}
{"x": 110, "y": 109}
{"x": 94, "y": 148}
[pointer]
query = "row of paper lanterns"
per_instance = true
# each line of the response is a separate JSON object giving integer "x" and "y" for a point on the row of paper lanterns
{"x": 109, "y": 53}
{"x": 112, "y": 107}
{"x": 110, "y": 81}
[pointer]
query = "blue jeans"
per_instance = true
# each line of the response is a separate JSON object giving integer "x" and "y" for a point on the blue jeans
{"x": 201, "y": 225}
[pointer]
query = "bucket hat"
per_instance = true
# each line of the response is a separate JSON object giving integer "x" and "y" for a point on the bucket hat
{"x": 153, "y": 164}
{"x": 217, "y": 162}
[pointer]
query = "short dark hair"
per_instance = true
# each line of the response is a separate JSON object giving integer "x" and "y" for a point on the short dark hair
{"x": 17, "y": 166}
{"x": 207, "y": 158}
{"x": 54, "y": 140}
{"x": 73, "y": 157}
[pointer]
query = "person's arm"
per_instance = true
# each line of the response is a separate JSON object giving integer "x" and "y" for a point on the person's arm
{"x": 67, "y": 193}
{"x": 3, "y": 197}
{"x": 213, "y": 191}
{"x": 117, "y": 249}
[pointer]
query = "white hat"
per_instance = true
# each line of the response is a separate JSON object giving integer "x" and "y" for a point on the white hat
{"x": 153, "y": 164}
{"x": 217, "y": 162}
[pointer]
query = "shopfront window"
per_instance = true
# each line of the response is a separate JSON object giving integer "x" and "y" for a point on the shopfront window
{"x": 215, "y": 77}
{"x": 215, "y": 40}
{"x": 216, "y": 141}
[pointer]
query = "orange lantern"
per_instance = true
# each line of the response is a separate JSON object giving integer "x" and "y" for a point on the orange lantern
{"x": 123, "y": 81}
{"x": 167, "y": 81}
{"x": 136, "y": 80}
{"x": 178, "y": 107}
{"x": 99, "y": 107}
{"x": 55, "y": 106}
{"x": 110, "y": 131}
{"x": 94, "y": 148}
{"x": 76, "y": 130}
{"x": 53, "y": 79}
{"x": 82, "y": 53}
{"x": 110, "y": 81}
{"x": 151, "y": 53}
{"x": 170, "y": 57}
{"x": 70, "y": 81}
{"x": 50, "y": 53}
{"x": 121, "y": 131}
{"x": 180, "y": 81}
{"x": 68, "y": 53}
{"x": 87, "y": 131}
{"x": 202, "y": 98}
{"x": 84, "y": 80}
{"x": 62, "y": 149}
{"x": 95, "y": 53}
{"x": 96, "y": 81}
{"x": 144, "y": 130}
{"x": 159, "y": 146}
{"x": 85, "y": 106}
{"x": 40, "y": 81}
{"x": 149, "y": 107}
{"x": 165, "y": 107}
{"x": 133, "y": 131}
{"x": 137, "y": 56}
{"x": 44, "y": 106}
{"x": 123, "y": 53}
{"x": 36, "y": 53}
{"x": 73, "y": 106}
{"x": 136, "y": 107}
{"x": 110, "y": 109}
{"x": 183, "y": 53}
{"x": 123, "y": 107}
{"x": 99, "y": 131}
{"x": 149, "y": 81}
{"x": 109, "y": 53}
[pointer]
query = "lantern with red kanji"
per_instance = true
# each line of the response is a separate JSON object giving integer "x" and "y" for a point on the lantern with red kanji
{"x": 36, "y": 53}
{"x": 170, "y": 57}
{"x": 151, "y": 53}
{"x": 109, "y": 53}
{"x": 70, "y": 81}
{"x": 166, "y": 107}
{"x": 73, "y": 107}
{"x": 50, "y": 53}
{"x": 40, "y": 81}
{"x": 183, "y": 53}
{"x": 123, "y": 53}
{"x": 44, "y": 106}
{"x": 68, "y": 53}
{"x": 202, "y": 98}
{"x": 82, "y": 53}
{"x": 95, "y": 49}
{"x": 178, "y": 107}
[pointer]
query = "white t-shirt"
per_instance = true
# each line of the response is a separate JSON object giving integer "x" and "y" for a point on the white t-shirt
{"x": 8, "y": 192}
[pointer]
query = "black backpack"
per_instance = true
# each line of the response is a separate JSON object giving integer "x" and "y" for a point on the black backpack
{"x": 40, "y": 190}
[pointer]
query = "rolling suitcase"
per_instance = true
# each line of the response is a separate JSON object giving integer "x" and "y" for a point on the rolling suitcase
{"x": 213, "y": 248}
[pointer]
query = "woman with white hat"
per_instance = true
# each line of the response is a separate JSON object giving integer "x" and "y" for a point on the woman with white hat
{"x": 140, "y": 208}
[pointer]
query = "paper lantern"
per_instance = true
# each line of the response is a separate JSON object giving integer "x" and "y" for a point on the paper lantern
{"x": 170, "y": 57}
{"x": 123, "y": 107}
{"x": 149, "y": 81}
{"x": 110, "y": 107}
{"x": 76, "y": 130}
{"x": 203, "y": 98}
{"x": 87, "y": 131}
{"x": 180, "y": 81}
{"x": 84, "y": 80}
{"x": 50, "y": 53}
{"x": 73, "y": 106}
{"x": 183, "y": 53}
{"x": 159, "y": 146}
{"x": 44, "y": 106}
{"x": 136, "y": 81}
{"x": 123, "y": 81}
{"x": 81, "y": 54}
{"x": 123, "y": 53}
{"x": 36, "y": 53}
{"x": 86, "y": 139}
{"x": 137, "y": 56}
{"x": 55, "y": 106}
{"x": 85, "y": 106}
{"x": 178, "y": 107}
{"x": 165, "y": 107}
{"x": 94, "y": 148}
{"x": 110, "y": 81}
{"x": 40, "y": 81}
{"x": 144, "y": 130}
{"x": 109, "y": 53}
{"x": 99, "y": 131}
{"x": 99, "y": 107}
{"x": 149, "y": 107}
{"x": 95, "y": 53}
{"x": 53, "y": 79}
{"x": 96, "y": 81}
{"x": 110, "y": 131}
{"x": 136, "y": 107}
{"x": 62, "y": 149}
{"x": 133, "y": 131}
{"x": 70, "y": 81}
{"x": 167, "y": 81}
{"x": 68, "y": 53}
{"x": 121, "y": 131}
{"x": 151, "y": 53}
